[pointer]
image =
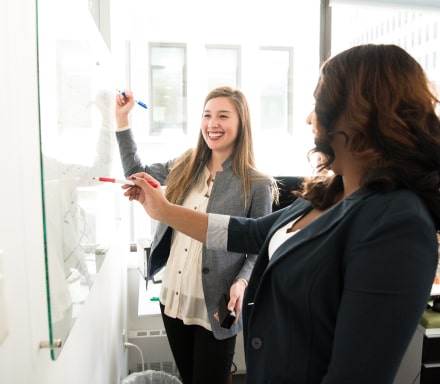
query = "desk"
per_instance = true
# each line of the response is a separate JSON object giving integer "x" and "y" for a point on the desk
{"x": 148, "y": 302}
{"x": 435, "y": 291}
{"x": 430, "y": 370}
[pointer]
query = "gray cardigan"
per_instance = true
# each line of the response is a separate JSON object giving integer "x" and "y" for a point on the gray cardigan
{"x": 219, "y": 268}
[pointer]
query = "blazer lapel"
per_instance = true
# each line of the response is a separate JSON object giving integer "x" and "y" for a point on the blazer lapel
{"x": 321, "y": 225}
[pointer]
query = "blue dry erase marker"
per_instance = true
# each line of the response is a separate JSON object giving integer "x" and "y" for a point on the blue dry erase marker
{"x": 142, "y": 104}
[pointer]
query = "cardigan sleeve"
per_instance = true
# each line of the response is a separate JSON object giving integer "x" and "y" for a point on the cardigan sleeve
{"x": 131, "y": 162}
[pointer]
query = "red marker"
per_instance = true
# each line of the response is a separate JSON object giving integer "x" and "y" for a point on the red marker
{"x": 122, "y": 181}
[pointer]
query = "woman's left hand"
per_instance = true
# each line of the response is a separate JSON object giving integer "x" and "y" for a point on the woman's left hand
{"x": 236, "y": 295}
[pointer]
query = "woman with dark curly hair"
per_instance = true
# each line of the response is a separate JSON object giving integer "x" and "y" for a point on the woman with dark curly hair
{"x": 344, "y": 273}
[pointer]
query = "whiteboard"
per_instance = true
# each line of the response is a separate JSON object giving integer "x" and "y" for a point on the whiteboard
{"x": 77, "y": 141}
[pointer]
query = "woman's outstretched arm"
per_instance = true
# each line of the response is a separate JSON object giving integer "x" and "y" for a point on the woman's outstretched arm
{"x": 185, "y": 220}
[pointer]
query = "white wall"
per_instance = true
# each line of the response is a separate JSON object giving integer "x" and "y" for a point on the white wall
{"x": 93, "y": 352}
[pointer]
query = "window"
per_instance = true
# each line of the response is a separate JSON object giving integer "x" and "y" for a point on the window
{"x": 168, "y": 88}
{"x": 223, "y": 66}
{"x": 276, "y": 86}
{"x": 272, "y": 53}
{"x": 412, "y": 32}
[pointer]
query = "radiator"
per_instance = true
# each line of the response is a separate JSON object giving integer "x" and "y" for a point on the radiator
{"x": 155, "y": 348}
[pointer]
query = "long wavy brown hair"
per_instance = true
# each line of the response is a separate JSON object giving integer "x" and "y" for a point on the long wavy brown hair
{"x": 384, "y": 97}
{"x": 188, "y": 168}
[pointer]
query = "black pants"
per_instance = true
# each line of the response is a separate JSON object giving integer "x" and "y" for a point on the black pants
{"x": 199, "y": 356}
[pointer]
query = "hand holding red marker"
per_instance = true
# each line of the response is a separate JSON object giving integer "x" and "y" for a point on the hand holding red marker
{"x": 123, "y": 181}
{"x": 151, "y": 197}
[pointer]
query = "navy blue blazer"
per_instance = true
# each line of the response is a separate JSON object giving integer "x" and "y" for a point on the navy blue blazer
{"x": 340, "y": 300}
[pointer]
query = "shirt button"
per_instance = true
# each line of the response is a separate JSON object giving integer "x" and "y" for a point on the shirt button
{"x": 256, "y": 343}
{"x": 205, "y": 270}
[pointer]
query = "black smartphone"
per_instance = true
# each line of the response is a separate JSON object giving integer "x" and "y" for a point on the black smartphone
{"x": 226, "y": 317}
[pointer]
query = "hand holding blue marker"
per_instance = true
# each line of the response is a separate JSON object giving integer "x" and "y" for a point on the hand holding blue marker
{"x": 142, "y": 104}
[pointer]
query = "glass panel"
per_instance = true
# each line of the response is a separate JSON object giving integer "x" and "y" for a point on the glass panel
{"x": 223, "y": 66}
{"x": 275, "y": 77}
{"x": 76, "y": 141}
{"x": 168, "y": 87}
{"x": 414, "y": 29}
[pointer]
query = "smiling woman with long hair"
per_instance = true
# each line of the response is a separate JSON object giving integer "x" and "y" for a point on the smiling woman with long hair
{"x": 219, "y": 175}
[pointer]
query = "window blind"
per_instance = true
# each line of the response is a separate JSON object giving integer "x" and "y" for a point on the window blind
{"x": 424, "y": 4}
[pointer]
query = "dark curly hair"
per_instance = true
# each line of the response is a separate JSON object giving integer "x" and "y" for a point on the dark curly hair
{"x": 384, "y": 98}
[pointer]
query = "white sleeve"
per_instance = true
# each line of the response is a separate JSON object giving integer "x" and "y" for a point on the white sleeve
{"x": 217, "y": 235}
{"x": 126, "y": 128}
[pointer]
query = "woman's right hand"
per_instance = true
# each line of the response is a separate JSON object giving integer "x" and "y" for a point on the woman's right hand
{"x": 147, "y": 191}
{"x": 124, "y": 103}
{"x": 150, "y": 195}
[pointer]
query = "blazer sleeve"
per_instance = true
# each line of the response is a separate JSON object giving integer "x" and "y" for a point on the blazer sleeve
{"x": 239, "y": 234}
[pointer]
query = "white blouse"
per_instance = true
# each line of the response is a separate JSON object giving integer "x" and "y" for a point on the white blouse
{"x": 280, "y": 236}
{"x": 182, "y": 290}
